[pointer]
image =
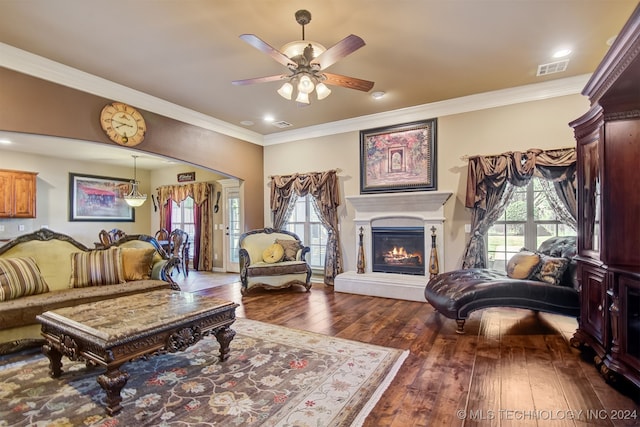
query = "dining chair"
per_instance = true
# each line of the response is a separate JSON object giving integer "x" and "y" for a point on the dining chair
{"x": 162, "y": 234}
{"x": 104, "y": 237}
{"x": 116, "y": 234}
{"x": 178, "y": 240}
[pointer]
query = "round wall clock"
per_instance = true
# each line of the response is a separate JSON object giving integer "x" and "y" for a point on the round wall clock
{"x": 123, "y": 124}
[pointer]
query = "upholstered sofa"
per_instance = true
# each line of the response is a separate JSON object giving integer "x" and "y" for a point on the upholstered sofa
{"x": 273, "y": 259}
{"x": 543, "y": 280}
{"x": 46, "y": 270}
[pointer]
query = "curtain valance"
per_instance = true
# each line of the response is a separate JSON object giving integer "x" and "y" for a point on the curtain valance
{"x": 198, "y": 191}
{"x": 516, "y": 168}
{"x": 321, "y": 185}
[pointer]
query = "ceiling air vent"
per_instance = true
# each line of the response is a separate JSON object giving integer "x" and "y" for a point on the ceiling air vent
{"x": 282, "y": 124}
{"x": 552, "y": 67}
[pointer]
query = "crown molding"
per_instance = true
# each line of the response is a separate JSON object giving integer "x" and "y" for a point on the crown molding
{"x": 481, "y": 101}
{"x": 46, "y": 69}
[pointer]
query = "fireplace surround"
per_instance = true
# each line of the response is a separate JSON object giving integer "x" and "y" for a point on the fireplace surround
{"x": 408, "y": 210}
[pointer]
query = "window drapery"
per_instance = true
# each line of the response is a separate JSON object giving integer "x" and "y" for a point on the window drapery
{"x": 201, "y": 193}
{"x": 323, "y": 187}
{"x": 488, "y": 181}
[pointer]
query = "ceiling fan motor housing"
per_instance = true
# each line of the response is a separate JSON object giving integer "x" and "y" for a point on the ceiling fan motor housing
{"x": 303, "y": 17}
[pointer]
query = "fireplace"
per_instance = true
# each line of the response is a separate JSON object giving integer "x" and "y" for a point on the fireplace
{"x": 398, "y": 250}
{"x": 399, "y": 212}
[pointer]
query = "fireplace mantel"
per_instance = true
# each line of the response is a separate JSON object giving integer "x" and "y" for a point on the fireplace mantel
{"x": 420, "y": 208}
{"x": 423, "y": 204}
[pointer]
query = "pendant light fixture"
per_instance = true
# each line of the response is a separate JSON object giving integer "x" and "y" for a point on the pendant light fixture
{"x": 134, "y": 198}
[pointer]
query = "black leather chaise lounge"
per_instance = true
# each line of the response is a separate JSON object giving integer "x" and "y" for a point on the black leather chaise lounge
{"x": 548, "y": 285}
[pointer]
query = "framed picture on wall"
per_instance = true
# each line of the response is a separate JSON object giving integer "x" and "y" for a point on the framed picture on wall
{"x": 398, "y": 158}
{"x": 99, "y": 198}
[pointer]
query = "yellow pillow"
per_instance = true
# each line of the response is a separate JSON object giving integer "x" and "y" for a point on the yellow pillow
{"x": 523, "y": 265}
{"x": 137, "y": 263}
{"x": 273, "y": 253}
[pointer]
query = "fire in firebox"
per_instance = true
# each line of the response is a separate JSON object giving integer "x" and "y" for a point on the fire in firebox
{"x": 398, "y": 250}
{"x": 398, "y": 255}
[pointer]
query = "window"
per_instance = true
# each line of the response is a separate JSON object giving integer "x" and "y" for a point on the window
{"x": 304, "y": 221}
{"x": 182, "y": 217}
{"x": 527, "y": 221}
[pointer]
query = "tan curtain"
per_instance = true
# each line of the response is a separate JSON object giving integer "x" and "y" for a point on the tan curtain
{"x": 488, "y": 188}
{"x": 201, "y": 193}
{"x": 323, "y": 187}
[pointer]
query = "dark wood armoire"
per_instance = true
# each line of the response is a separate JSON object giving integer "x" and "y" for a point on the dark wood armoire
{"x": 608, "y": 147}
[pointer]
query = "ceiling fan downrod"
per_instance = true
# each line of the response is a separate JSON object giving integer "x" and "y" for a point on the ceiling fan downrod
{"x": 303, "y": 17}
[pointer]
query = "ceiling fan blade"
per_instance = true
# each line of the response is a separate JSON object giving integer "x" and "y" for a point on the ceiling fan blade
{"x": 265, "y": 47}
{"x": 259, "y": 80}
{"x": 348, "y": 82}
{"x": 338, "y": 51}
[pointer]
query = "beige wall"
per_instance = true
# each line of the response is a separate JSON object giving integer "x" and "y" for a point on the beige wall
{"x": 539, "y": 124}
{"x": 52, "y": 203}
{"x": 52, "y": 197}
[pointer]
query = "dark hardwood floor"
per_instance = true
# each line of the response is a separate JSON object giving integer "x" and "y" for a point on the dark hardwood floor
{"x": 511, "y": 368}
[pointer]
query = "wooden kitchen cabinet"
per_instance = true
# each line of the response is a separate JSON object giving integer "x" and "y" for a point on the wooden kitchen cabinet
{"x": 18, "y": 194}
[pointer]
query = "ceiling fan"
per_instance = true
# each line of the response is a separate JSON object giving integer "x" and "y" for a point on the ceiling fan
{"x": 306, "y": 61}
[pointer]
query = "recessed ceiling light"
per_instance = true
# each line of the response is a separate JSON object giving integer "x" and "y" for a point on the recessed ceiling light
{"x": 268, "y": 118}
{"x": 5, "y": 141}
{"x": 377, "y": 94}
{"x": 246, "y": 123}
{"x": 561, "y": 53}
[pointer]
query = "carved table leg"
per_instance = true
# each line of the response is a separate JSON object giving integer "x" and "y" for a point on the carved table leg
{"x": 224, "y": 336}
{"x": 460, "y": 323}
{"x": 112, "y": 382}
{"x": 55, "y": 360}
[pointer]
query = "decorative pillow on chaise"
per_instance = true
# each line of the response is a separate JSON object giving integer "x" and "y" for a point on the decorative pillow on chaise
{"x": 137, "y": 263}
{"x": 20, "y": 277}
{"x": 551, "y": 269}
{"x": 273, "y": 253}
{"x": 291, "y": 248}
{"x": 523, "y": 265}
{"x": 96, "y": 268}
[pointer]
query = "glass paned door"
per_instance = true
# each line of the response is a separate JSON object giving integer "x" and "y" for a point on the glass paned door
{"x": 232, "y": 232}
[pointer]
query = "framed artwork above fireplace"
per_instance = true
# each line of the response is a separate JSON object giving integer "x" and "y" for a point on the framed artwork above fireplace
{"x": 398, "y": 158}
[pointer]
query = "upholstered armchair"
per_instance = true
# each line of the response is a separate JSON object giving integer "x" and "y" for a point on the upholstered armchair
{"x": 273, "y": 259}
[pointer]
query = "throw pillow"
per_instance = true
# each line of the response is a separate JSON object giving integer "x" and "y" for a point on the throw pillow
{"x": 96, "y": 268}
{"x": 137, "y": 263}
{"x": 291, "y": 248}
{"x": 20, "y": 277}
{"x": 551, "y": 269}
{"x": 523, "y": 265}
{"x": 273, "y": 253}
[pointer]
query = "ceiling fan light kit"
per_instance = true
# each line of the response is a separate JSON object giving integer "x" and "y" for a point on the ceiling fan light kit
{"x": 306, "y": 61}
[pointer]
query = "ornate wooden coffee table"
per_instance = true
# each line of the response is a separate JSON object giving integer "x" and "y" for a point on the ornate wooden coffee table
{"x": 112, "y": 332}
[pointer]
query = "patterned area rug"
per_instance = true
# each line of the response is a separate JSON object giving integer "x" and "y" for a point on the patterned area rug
{"x": 275, "y": 376}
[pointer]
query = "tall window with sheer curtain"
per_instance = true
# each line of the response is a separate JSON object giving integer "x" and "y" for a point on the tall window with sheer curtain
{"x": 527, "y": 221}
{"x": 304, "y": 221}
